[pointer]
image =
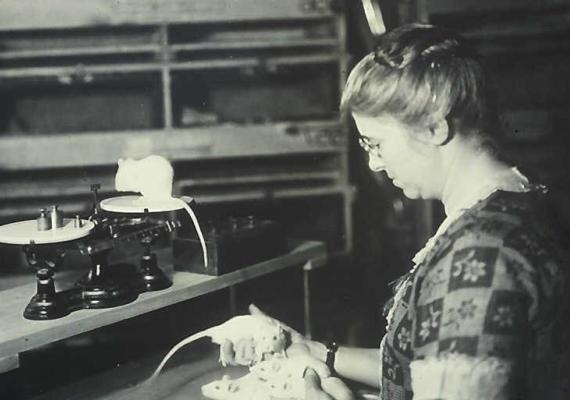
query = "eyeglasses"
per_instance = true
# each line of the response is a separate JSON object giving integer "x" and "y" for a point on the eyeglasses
{"x": 369, "y": 146}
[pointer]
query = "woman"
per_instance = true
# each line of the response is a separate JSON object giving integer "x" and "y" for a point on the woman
{"x": 482, "y": 314}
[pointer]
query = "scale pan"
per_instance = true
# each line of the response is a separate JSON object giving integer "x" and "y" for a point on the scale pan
{"x": 25, "y": 231}
{"x": 138, "y": 204}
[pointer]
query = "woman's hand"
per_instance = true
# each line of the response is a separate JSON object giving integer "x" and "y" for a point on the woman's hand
{"x": 240, "y": 353}
{"x": 313, "y": 390}
{"x": 328, "y": 389}
{"x": 299, "y": 343}
{"x": 243, "y": 352}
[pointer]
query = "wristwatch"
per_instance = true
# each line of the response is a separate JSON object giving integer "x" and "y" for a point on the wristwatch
{"x": 332, "y": 347}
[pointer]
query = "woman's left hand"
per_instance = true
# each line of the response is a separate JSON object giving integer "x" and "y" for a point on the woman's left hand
{"x": 329, "y": 389}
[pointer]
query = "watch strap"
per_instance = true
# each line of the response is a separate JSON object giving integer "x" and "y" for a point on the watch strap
{"x": 332, "y": 348}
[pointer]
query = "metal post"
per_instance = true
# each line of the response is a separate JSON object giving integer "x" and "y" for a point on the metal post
{"x": 233, "y": 300}
{"x": 307, "y": 298}
{"x": 166, "y": 78}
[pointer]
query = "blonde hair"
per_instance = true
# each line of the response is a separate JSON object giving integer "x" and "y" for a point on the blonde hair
{"x": 420, "y": 74}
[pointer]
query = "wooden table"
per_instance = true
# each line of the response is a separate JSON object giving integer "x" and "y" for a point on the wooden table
{"x": 18, "y": 334}
{"x": 181, "y": 380}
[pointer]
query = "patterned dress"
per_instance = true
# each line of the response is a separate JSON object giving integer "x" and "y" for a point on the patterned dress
{"x": 485, "y": 314}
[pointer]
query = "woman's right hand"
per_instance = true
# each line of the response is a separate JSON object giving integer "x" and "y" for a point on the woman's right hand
{"x": 300, "y": 345}
{"x": 243, "y": 352}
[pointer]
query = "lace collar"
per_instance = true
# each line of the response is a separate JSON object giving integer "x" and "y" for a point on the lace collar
{"x": 510, "y": 180}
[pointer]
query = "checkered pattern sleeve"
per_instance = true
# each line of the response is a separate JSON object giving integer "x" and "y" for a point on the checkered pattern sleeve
{"x": 474, "y": 309}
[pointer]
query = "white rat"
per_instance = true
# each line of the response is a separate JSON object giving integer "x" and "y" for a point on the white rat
{"x": 152, "y": 177}
{"x": 267, "y": 335}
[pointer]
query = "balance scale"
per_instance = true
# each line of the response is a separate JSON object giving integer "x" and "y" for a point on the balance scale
{"x": 114, "y": 222}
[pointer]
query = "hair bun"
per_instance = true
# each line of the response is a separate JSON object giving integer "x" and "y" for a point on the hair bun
{"x": 419, "y": 42}
{"x": 449, "y": 48}
{"x": 384, "y": 58}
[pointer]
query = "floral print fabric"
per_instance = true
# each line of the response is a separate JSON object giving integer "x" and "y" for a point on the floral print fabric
{"x": 494, "y": 285}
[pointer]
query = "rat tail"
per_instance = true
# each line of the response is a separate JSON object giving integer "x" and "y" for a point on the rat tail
{"x": 177, "y": 347}
{"x": 198, "y": 230}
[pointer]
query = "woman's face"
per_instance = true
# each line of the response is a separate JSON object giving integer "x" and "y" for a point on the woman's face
{"x": 411, "y": 164}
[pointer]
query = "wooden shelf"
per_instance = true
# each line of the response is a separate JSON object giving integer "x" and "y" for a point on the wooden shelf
{"x": 79, "y": 51}
{"x": 156, "y": 49}
{"x": 47, "y": 72}
{"x": 67, "y": 186}
{"x": 253, "y": 62}
{"x": 228, "y": 140}
{"x": 481, "y": 6}
{"x": 124, "y": 68}
{"x": 259, "y": 178}
{"x": 59, "y": 14}
{"x": 18, "y": 334}
{"x": 254, "y": 44}
{"x": 263, "y": 194}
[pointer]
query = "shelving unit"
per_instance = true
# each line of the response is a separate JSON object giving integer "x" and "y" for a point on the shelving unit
{"x": 240, "y": 95}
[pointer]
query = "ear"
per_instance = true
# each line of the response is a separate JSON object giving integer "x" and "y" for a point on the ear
{"x": 439, "y": 133}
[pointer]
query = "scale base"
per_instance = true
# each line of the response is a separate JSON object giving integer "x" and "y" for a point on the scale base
{"x": 110, "y": 287}
{"x": 107, "y": 296}
{"x": 105, "y": 286}
{"x": 46, "y": 306}
{"x": 152, "y": 276}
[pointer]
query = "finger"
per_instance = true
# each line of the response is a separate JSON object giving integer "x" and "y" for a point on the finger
{"x": 227, "y": 352}
{"x": 244, "y": 352}
{"x": 312, "y": 381}
{"x": 249, "y": 351}
{"x": 298, "y": 349}
{"x": 322, "y": 370}
{"x": 313, "y": 389}
{"x": 337, "y": 389}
